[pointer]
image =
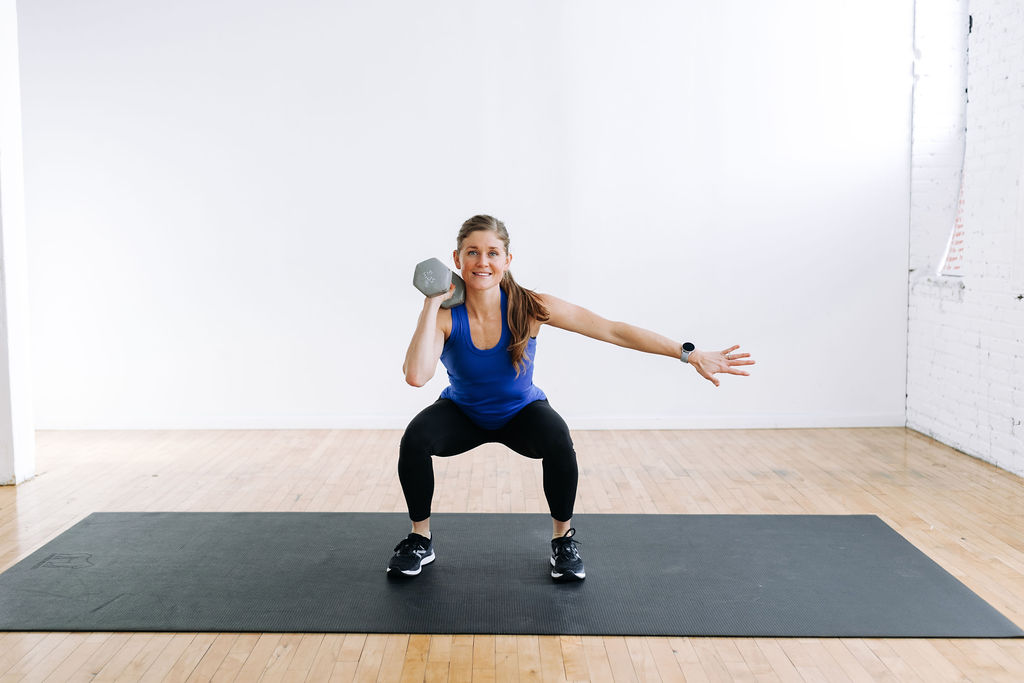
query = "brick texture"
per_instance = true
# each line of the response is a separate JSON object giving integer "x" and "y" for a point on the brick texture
{"x": 965, "y": 355}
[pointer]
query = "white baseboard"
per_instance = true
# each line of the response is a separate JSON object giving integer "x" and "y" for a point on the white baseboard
{"x": 595, "y": 422}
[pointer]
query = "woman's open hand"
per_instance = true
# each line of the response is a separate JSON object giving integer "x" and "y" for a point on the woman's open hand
{"x": 711, "y": 363}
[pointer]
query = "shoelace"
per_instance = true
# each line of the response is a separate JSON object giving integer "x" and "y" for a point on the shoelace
{"x": 408, "y": 546}
{"x": 566, "y": 546}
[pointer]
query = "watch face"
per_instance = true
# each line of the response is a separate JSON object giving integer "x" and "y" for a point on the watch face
{"x": 688, "y": 347}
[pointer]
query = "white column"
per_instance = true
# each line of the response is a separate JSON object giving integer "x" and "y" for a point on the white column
{"x": 17, "y": 436}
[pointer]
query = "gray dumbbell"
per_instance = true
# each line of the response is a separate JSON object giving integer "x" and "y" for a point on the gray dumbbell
{"x": 433, "y": 278}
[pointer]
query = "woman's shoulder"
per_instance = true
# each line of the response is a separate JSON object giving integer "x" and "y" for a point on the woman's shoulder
{"x": 569, "y": 316}
{"x": 552, "y": 306}
{"x": 444, "y": 320}
{"x": 552, "y": 303}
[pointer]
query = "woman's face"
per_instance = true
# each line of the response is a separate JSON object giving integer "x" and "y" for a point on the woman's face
{"x": 482, "y": 259}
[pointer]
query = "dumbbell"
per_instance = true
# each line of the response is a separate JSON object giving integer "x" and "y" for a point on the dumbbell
{"x": 433, "y": 278}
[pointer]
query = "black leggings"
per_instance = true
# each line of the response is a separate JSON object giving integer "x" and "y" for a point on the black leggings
{"x": 536, "y": 431}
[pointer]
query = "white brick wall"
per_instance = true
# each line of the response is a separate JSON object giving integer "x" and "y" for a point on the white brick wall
{"x": 965, "y": 356}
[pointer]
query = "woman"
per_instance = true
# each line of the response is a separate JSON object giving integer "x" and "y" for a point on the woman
{"x": 488, "y": 345}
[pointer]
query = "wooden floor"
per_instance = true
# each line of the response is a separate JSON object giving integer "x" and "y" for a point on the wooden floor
{"x": 966, "y": 515}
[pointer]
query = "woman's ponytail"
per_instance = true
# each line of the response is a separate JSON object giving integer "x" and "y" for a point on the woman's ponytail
{"x": 524, "y": 306}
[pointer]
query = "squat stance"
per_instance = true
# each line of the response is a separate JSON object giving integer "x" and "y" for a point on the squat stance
{"x": 488, "y": 346}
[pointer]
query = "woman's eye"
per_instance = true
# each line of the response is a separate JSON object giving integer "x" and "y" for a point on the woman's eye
{"x": 494, "y": 253}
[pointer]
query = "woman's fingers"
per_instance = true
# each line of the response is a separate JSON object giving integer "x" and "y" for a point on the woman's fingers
{"x": 735, "y": 358}
{"x": 725, "y": 361}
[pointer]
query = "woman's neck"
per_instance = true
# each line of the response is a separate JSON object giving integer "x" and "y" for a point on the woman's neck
{"x": 484, "y": 305}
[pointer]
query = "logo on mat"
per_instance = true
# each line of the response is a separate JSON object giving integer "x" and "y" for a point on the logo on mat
{"x": 67, "y": 561}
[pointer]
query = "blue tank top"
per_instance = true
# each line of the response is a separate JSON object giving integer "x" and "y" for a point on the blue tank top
{"x": 484, "y": 383}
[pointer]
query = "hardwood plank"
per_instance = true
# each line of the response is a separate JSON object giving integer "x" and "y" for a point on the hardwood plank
{"x": 483, "y": 652}
{"x": 321, "y": 667}
{"x": 190, "y": 656}
{"x": 732, "y": 658}
{"x": 126, "y": 660}
{"x": 414, "y": 663}
{"x": 574, "y": 659}
{"x": 305, "y": 654}
{"x": 688, "y": 660}
{"x": 799, "y": 651}
{"x": 394, "y": 657}
{"x": 926, "y": 661}
{"x": 710, "y": 659}
{"x": 552, "y": 666}
{"x": 900, "y": 668}
{"x": 528, "y": 654}
{"x": 73, "y": 667}
{"x": 16, "y": 646}
{"x": 259, "y": 657}
{"x": 781, "y": 665}
{"x": 48, "y": 661}
{"x": 506, "y": 659}
{"x": 231, "y": 664}
{"x": 280, "y": 660}
{"x": 160, "y": 667}
{"x": 619, "y": 659}
{"x": 211, "y": 659}
{"x": 665, "y": 660}
{"x": 344, "y": 672}
{"x": 597, "y": 659}
{"x": 371, "y": 657}
{"x": 352, "y": 647}
{"x": 98, "y": 660}
{"x": 868, "y": 660}
{"x": 461, "y": 664}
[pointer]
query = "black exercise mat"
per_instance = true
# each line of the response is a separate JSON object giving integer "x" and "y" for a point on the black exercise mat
{"x": 710, "y": 575}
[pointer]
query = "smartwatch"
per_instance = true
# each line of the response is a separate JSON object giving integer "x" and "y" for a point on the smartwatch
{"x": 684, "y": 351}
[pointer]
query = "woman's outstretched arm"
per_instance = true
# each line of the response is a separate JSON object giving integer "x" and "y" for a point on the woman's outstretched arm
{"x": 567, "y": 316}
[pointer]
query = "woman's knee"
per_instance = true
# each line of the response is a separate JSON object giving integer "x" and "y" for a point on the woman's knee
{"x": 558, "y": 449}
{"x": 415, "y": 444}
{"x": 558, "y": 440}
{"x": 419, "y": 436}
{"x": 540, "y": 432}
{"x": 562, "y": 459}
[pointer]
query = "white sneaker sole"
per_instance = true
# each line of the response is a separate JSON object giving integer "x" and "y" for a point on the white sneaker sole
{"x": 555, "y": 574}
{"x": 413, "y": 572}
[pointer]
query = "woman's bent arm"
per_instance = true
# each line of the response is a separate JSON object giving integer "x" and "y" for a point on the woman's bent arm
{"x": 426, "y": 345}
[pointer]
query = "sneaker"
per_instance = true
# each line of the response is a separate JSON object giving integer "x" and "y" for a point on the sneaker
{"x": 566, "y": 563}
{"x": 411, "y": 554}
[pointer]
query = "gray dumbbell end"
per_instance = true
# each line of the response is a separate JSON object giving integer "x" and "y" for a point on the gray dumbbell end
{"x": 459, "y": 297}
{"x": 433, "y": 278}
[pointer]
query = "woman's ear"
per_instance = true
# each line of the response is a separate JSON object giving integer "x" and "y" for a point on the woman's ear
{"x": 455, "y": 257}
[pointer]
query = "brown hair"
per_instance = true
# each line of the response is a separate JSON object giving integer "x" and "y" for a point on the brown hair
{"x": 524, "y": 304}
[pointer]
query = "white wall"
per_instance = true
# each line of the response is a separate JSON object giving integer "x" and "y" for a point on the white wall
{"x": 966, "y": 341}
{"x": 226, "y": 200}
{"x": 17, "y": 438}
